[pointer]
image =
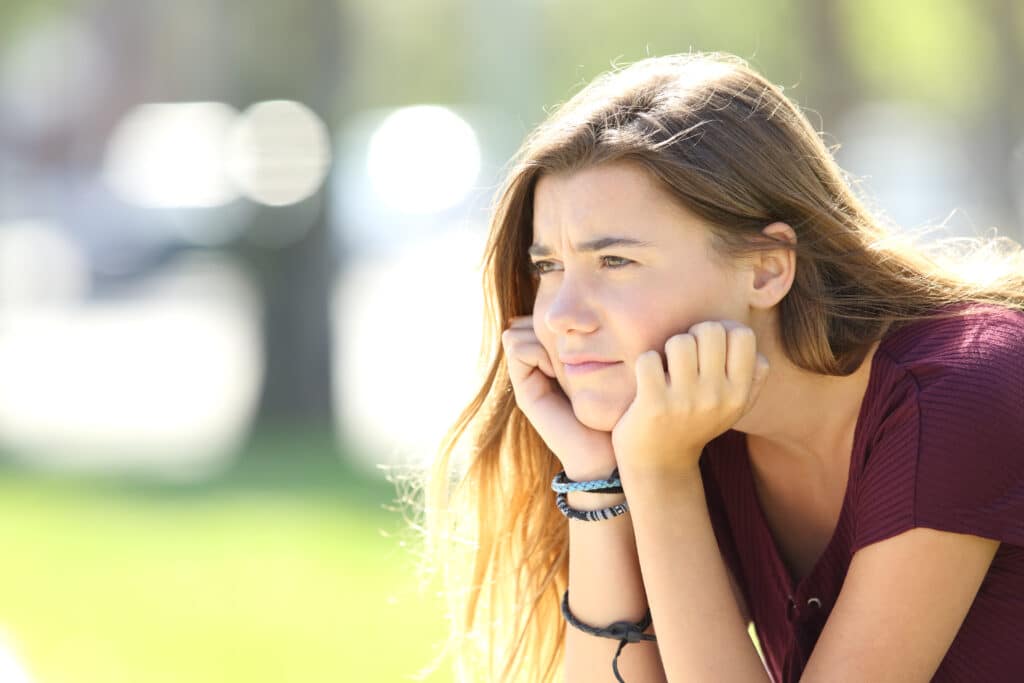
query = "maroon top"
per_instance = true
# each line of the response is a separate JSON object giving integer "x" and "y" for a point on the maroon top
{"x": 938, "y": 444}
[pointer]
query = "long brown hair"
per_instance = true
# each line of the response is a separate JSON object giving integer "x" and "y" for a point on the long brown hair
{"x": 732, "y": 149}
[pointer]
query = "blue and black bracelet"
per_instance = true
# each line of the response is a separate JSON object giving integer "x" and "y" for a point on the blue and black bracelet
{"x": 563, "y": 484}
{"x": 562, "y": 501}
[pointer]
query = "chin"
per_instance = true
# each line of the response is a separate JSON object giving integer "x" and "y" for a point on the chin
{"x": 600, "y": 413}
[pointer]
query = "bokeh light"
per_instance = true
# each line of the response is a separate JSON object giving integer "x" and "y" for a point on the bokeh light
{"x": 164, "y": 381}
{"x": 39, "y": 267}
{"x": 423, "y": 159}
{"x": 172, "y": 155}
{"x": 278, "y": 152}
{"x": 407, "y": 334}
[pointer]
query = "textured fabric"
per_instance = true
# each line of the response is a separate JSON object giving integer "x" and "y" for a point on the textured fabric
{"x": 939, "y": 443}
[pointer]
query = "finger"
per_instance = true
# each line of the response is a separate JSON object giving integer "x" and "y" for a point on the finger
{"x": 524, "y": 357}
{"x": 521, "y": 347}
{"x": 650, "y": 375}
{"x": 538, "y": 356}
{"x": 681, "y": 355}
{"x": 520, "y": 334}
{"x": 520, "y": 321}
{"x": 527, "y": 359}
{"x": 741, "y": 356}
{"x": 710, "y": 336}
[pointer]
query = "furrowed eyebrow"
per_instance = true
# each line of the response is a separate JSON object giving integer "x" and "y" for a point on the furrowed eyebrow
{"x": 593, "y": 245}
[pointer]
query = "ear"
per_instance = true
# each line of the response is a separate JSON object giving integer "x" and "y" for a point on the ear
{"x": 774, "y": 269}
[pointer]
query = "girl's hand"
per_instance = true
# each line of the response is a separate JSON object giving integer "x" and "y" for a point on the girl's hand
{"x": 714, "y": 377}
{"x": 585, "y": 453}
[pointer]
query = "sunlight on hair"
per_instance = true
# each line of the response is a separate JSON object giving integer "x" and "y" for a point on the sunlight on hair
{"x": 171, "y": 155}
{"x": 278, "y": 152}
{"x": 423, "y": 159}
{"x": 981, "y": 261}
{"x": 700, "y": 71}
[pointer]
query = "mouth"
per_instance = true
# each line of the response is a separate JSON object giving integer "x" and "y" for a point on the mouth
{"x": 587, "y": 367}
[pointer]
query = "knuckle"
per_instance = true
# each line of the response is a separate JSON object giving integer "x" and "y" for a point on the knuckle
{"x": 680, "y": 341}
{"x": 741, "y": 333}
{"x": 646, "y": 362}
{"x": 705, "y": 326}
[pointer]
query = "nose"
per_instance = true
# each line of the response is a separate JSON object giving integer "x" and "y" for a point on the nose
{"x": 570, "y": 309}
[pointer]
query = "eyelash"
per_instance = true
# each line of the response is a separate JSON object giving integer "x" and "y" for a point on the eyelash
{"x": 536, "y": 266}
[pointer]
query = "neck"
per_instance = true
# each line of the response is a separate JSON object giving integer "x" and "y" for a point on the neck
{"x": 804, "y": 416}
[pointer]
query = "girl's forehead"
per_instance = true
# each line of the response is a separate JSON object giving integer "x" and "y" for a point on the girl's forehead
{"x": 618, "y": 201}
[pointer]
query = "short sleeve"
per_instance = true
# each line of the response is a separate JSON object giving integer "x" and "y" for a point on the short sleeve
{"x": 949, "y": 455}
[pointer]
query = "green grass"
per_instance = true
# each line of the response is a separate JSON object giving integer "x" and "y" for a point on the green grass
{"x": 286, "y": 568}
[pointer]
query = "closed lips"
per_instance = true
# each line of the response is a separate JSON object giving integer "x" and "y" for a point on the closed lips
{"x": 580, "y": 360}
{"x": 587, "y": 366}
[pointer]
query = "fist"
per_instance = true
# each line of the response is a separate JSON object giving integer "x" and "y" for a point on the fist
{"x": 714, "y": 375}
{"x": 584, "y": 452}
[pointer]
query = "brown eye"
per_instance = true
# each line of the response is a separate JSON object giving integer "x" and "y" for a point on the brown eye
{"x": 615, "y": 261}
{"x": 541, "y": 267}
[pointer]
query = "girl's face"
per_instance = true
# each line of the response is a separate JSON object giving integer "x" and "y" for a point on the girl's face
{"x": 622, "y": 267}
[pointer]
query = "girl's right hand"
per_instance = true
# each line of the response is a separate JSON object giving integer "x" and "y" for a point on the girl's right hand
{"x": 585, "y": 453}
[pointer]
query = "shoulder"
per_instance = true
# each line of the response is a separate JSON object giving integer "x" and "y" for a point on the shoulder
{"x": 944, "y": 450}
{"x": 954, "y": 376}
{"x": 965, "y": 376}
{"x": 986, "y": 341}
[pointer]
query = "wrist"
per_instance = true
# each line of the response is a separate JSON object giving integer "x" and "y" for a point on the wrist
{"x": 588, "y": 471}
{"x": 641, "y": 476}
{"x": 590, "y": 500}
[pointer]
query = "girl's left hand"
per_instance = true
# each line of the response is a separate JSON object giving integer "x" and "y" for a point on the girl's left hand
{"x": 714, "y": 377}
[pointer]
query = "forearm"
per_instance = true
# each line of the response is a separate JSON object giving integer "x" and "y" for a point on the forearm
{"x": 605, "y": 586}
{"x": 701, "y": 633}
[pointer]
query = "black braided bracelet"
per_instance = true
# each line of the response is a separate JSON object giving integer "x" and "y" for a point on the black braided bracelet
{"x": 562, "y": 502}
{"x": 623, "y": 631}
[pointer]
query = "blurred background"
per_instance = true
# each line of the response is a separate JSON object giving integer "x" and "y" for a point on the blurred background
{"x": 239, "y": 249}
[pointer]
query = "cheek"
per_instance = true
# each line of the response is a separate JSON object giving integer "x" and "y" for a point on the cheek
{"x": 667, "y": 308}
{"x": 646, "y": 324}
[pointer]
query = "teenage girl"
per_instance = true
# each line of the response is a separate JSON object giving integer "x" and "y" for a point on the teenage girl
{"x": 726, "y": 394}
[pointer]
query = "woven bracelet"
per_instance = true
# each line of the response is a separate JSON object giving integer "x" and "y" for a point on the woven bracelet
{"x": 624, "y": 631}
{"x": 563, "y": 484}
{"x": 562, "y": 501}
